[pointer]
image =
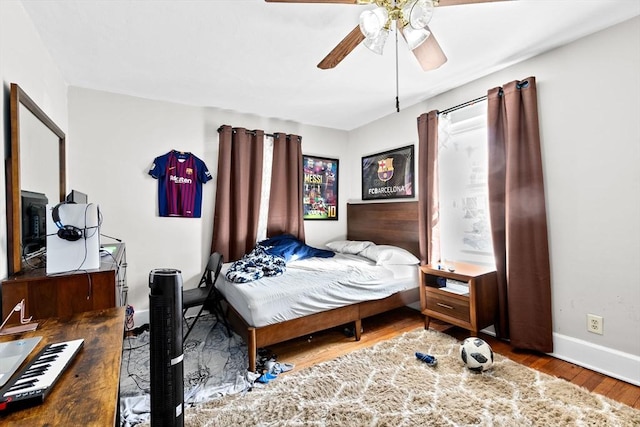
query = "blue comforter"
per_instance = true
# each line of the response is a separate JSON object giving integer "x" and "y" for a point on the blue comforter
{"x": 290, "y": 248}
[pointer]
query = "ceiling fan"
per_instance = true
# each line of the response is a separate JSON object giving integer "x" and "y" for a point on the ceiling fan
{"x": 410, "y": 17}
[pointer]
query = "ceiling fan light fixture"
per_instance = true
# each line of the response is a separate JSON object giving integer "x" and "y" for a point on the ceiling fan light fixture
{"x": 372, "y": 22}
{"x": 430, "y": 54}
{"x": 377, "y": 44}
{"x": 415, "y": 37}
{"x": 418, "y": 13}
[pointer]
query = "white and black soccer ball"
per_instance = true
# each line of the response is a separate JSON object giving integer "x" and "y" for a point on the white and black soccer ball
{"x": 476, "y": 354}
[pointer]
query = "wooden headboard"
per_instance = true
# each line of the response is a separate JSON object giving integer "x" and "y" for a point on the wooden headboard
{"x": 391, "y": 223}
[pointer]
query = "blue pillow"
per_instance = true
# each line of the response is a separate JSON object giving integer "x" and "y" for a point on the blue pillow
{"x": 290, "y": 248}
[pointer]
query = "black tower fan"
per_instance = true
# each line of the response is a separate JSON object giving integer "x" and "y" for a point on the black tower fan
{"x": 166, "y": 358}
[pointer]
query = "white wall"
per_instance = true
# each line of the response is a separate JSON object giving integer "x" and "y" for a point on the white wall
{"x": 589, "y": 105}
{"x": 116, "y": 139}
{"x": 589, "y": 98}
{"x": 24, "y": 60}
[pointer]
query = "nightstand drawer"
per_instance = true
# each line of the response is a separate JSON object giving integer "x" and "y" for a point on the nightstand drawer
{"x": 448, "y": 305}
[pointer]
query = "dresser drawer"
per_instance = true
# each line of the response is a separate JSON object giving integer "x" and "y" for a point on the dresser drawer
{"x": 449, "y": 305}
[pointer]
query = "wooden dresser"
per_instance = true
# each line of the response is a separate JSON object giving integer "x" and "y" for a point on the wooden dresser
{"x": 62, "y": 295}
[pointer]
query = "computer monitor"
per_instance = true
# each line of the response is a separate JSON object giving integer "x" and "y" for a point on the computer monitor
{"x": 33, "y": 222}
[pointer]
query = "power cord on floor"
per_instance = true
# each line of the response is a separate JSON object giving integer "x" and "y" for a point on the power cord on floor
{"x": 135, "y": 378}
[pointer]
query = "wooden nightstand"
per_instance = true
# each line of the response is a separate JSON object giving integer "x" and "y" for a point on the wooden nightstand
{"x": 472, "y": 310}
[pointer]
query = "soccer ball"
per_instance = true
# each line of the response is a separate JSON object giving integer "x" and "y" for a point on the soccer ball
{"x": 476, "y": 354}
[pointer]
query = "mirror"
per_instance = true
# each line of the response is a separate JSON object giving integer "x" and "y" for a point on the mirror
{"x": 36, "y": 163}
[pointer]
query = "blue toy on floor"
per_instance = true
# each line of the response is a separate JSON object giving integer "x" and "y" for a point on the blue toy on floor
{"x": 427, "y": 358}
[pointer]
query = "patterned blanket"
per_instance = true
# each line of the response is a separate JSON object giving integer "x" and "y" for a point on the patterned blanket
{"x": 270, "y": 257}
{"x": 256, "y": 264}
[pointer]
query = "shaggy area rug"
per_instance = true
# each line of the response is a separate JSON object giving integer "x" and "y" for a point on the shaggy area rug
{"x": 386, "y": 385}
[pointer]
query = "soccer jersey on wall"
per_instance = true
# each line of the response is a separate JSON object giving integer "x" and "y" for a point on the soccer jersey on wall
{"x": 180, "y": 177}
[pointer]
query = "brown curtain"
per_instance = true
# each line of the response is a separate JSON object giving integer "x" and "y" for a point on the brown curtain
{"x": 235, "y": 222}
{"x": 518, "y": 216}
{"x": 285, "y": 199}
{"x": 428, "y": 187}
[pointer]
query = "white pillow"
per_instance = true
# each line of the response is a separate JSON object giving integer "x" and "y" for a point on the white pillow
{"x": 389, "y": 255}
{"x": 349, "y": 246}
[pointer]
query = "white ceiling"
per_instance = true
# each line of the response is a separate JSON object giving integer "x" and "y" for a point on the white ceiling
{"x": 260, "y": 58}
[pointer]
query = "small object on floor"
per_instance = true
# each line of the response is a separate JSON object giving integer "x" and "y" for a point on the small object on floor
{"x": 476, "y": 354}
{"x": 252, "y": 377}
{"x": 266, "y": 378}
{"x": 137, "y": 330}
{"x": 129, "y": 321}
{"x": 276, "y": 368}
{"x": 264, "y": 356}
{"x": 350, "y": 331}
{"x": 266, "y": 353}
{"x": 427, "y": 358}
{"x": 269, "y": 364}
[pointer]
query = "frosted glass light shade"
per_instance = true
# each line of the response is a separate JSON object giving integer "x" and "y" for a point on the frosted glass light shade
{"x": 377, "y": 44}
{"x": 372, "y": 22}
{"x": 418, "y": 13}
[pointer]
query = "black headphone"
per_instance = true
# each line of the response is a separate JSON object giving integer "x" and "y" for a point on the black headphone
{"x": 66, "y": 232}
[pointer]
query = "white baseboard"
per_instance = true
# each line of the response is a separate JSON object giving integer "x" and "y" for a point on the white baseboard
{"x": 614, "y": 363}
{"x": 140, "y": 318}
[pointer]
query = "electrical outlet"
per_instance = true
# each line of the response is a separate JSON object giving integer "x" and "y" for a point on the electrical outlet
{"x": 595, "y": 324}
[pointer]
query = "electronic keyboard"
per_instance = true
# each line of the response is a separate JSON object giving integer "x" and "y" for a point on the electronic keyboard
{"x": 33, "y": 383}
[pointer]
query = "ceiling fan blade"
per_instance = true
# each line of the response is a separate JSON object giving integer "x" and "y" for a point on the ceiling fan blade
{"x": 313, "y": 1}
{"x": 429, "y": 54}
{"x": 457, "y": 2}
{"x": 353, "y": 39}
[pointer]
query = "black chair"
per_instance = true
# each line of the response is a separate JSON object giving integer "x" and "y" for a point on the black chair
{"x": 205, "y": 295}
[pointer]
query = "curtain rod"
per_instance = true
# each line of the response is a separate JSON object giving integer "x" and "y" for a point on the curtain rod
{"x": 464, "y": 104}
{"x": 253, "y": 132}
{"x": 520, "y": 85}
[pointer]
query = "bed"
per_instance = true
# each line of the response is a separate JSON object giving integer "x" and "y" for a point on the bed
{"x": 321, "y": 302}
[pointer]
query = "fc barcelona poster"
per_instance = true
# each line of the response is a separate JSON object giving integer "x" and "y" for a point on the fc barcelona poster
{"x": 388, "y": 175}
{"x": 320, "y": 188}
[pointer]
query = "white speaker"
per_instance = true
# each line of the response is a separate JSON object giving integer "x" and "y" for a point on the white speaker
{"x": 64, "y": 255}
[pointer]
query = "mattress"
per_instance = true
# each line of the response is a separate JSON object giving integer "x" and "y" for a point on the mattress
{"x": 315, "y": 285}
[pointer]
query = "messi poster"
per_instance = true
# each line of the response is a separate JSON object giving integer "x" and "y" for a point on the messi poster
{"x": 320, "y": 188}
{"x": 388, "y": 175}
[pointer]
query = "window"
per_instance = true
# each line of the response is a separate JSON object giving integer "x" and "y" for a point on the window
{"x": 267, "y": 163}
{"x": 465, "y": 231}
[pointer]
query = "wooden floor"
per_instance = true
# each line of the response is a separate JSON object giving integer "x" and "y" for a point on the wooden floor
{"x": 326, "y": 345}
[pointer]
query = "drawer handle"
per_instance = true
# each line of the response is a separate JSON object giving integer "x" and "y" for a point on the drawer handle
{"x": 444, "y": 305}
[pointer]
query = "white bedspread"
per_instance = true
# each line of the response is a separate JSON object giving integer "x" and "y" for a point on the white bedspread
{"x": 314, "y": 285}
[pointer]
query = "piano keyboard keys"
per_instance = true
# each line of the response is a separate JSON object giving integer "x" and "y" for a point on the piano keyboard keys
{"x": 34, "y": 382}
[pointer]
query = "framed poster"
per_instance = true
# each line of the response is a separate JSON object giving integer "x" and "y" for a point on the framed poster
{"x": 320, "y": 188}
{"x": 388, "y": 175}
